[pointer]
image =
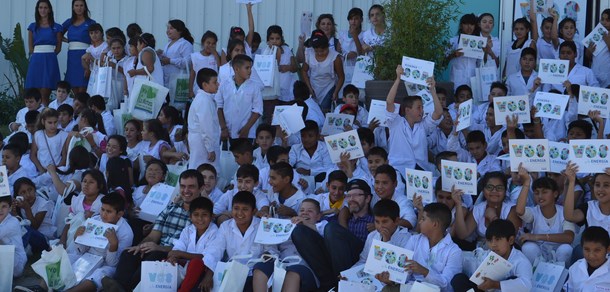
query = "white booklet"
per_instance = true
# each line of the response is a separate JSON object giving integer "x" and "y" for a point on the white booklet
{"x": 335, "y": 123}
{"x": 159, "y": 196}
{"x": 512, "y": 105}
{"x": 558, "y": 154}
{"x": 291, "y": 121}
{"x": 385, "y": 257}
{"x": 273, "y": 231}
{"x": 377, "y": 111}
{"x": 591, "y": 156}
{"x": 94, "y": 233}
{"x": 5, "y": 189}
{"x": 550, "y": 105}
{"x": 344, "y": 142}
{"x": 464, "y": 115}
{"x": 461, "y": 174}
{"x": 472, "y": 46}
{"x": 596, "y": 37}
{"x": 593, "y": 99}
{"x": 416, "y": 70}
{"x": 358, "y": 275}
{"x": 493, "y": 267}
{"x": 533, "y": 153}
{"x": 553, "y": 71}
{"x": 420, "y": 183}
{"x": 281, "y": 108}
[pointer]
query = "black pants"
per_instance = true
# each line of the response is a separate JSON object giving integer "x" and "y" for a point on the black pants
{"x": 128, "y": 269}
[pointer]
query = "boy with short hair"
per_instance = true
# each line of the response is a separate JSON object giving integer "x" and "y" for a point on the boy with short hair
{"x": 523, "y": 82}
{"x": 247, "y": 180}
{"x": 277, "y": 154}
{"x": 62, "y": 95}
{"x": 203, "y": 124}
{"x": 11, "y": 158}
{"x": 112, "y": 210}
{"x": 351, "y": 97}
{"x": 437, "y": 140}
{"x": 385, "y": 188}
{"x": 240, "y": 103}
{"x": 10, "y": 234}
{"x": 310, "y": 157}
{"x": 81, "y": 100}
{"x": 32, "y": 100}
{"x": 407, "y": 145}
{"x": 210, "y": 177}
{"x": 500, "y": 237}
{"x": 376, "y": 158}
{"x": 98, "y": 105}
{"x": 265, "y": 136}
{"x": 65, "y": 122}
{"x": 314, "y": 113}
{"x": 332, "y": 201}
{"x": 286, "y": 198}
{"x": 477, "y": 152}
{"x": 592, "y": 273}
{"x": 190, "y": 249}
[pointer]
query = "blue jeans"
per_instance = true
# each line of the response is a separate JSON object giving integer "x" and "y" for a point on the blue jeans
{"x": 35, "y": 239}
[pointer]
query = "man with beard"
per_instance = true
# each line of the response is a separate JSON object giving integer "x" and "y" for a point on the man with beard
{"x": 342, "y": 243}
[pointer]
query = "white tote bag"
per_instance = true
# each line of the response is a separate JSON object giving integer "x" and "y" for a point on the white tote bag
{"x": 92, "y": 83}
{"x": 158, "y": 277}
{"x": 7, "y": 254}
{"x": 549, "y": 277}
{"x": 232, "y": 275}
{"x": 279, "y": 271}
{"x": 55, "y": 269}
{"x": 103, "y": 82}
{"x": 146, "y": 98}
{"x": 179, "y": 88}
{"x": 75, "y": 221}
{"x": 267, "y": 69}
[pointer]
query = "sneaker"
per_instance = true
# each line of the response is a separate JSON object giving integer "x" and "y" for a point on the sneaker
{"x": 111, "y": 285}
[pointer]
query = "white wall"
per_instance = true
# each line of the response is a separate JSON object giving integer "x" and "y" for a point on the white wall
{"x": 199, "y": 16}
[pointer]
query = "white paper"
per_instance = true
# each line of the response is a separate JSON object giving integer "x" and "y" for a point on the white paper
{"x": 420, "y": 183}
{"x": 358, "y": 275}
{"x": 346, "y": 286}
{"x": 461, "y": 174}
{"x": 472, "y": 46}
{"x": 344, "y": 142}
{"x": 553, "y": 71}
{"x": 475, "y": 86}
{"x": 548, "y": 277}
{"x": 384, "y": 257}
{"x": 413, "y": 89}
{"x": 427, "y": 100}
{"x": 306, "y": 19}
{"x": 550, "y": 105}
{"x": 416, "y": 70}
{"x": 512, "y": 105}
{"x": 591, "y": 156}
{"x": 94, "y": 233}
{"x": 464, "y": 115}
{"x": 334, "y": 123}
{"x": 273, "y": 231}
{"x": 291, "y": 120}
{"x": 275, "y": 121}
{"x": 5, "y": 189}
{"x": 158, "y": 277}
{"x": 155, "y": 202}
{"x": 493, "y": 267}
{"x": 424, "y": 287}
{"x": 533, "y": 153}
{"x": 487, "y": 76}
{"x": 362, "y": 72}
{"x": 85, "y": 264}
{"x": 265, "y": 68}
{"x": 594, "y": 99}
{"x": 377, "y": 110}
{"x": 596, "y": 37}
{"x": 559, "y": 153}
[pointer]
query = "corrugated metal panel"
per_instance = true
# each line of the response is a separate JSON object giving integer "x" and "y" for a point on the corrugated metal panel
{"x": 214, "y": 15}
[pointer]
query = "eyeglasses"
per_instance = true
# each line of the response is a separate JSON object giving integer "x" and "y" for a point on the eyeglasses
{"x": 491, "y": 188}
{"x": 348, "y": 196}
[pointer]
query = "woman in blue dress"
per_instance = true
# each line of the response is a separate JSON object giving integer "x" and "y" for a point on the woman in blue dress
{"x": 44, "y": 42}
{"x": 78, "y": 39}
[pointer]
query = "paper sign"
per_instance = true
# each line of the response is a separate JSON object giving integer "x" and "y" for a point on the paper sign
{"x": 596, "y": 37}
{"x": 344, "y": 142}
{"x": 461, "y": 174}
{"x": 273, "y": 231}
{"x": 5, "y": 189}
{"x": 291, "y": 120}
{"x": 487, "y": 75}
{"x": 155, "y": 202}
{"x": 533, "y": 153}
{"x": 377, "y": 110}
{"x": 420, "y": 183}
{"x": 86, "y": 264}
{"x": 413, "y": 89}
{"x": 548, "y": 277}
{"x": 593, "y": 99}
{"x": 558, "y": 154}
{"x": 358, "y": 275}
{"x": 416, "y": 70}
{"x": 553, "y": 71}
{"x": 265, "y": 66}
{"x": 335, "y": 123}
{"x": 472, "y": 46}
{"x": 94, "y": 233}
{"x": 464, "y": 115}
{"x": 427, "y": 100}
{"x": 158, "y": 277}
{"x": 306, "y": 20}
{"x": 591, "y": 156}
{"x": 512, "y": 105}
{"x": 550, "y": 105}
{"x": 384, "y": 257}
{"x": 493, "y": 267}
{"x": 275, "y": 121}
{"x": 362, "y": 71}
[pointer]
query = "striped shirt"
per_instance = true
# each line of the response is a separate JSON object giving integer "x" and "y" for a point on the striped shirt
{"x": 357, "y": 226}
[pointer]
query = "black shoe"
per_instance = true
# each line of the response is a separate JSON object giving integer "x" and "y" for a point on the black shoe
{"x": 111, "y": 285}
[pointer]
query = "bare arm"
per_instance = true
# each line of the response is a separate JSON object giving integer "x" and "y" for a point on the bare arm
{"x": 304, "y": 70}
{"x": 525, "y": 188}
{"x": 389, "y": 101}
{"x": 250, "y": 35}
{"x": 34, "y": 156}
{"x": 338, "y": 65}
{"x": 570, "y": 212}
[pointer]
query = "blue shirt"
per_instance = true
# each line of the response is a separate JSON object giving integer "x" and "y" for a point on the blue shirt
{"x": 357, "y": 226}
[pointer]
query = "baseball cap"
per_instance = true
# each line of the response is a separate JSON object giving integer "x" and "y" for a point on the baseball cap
{"x": 358, "y": 184}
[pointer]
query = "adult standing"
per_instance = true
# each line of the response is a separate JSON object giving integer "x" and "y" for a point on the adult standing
{"x": 176, "y": 55}
{"x": 78, "y": 40}
{"x": 44, "y": 42}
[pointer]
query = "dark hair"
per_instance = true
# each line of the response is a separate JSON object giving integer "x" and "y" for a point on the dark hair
{"x": 86, "y": 13}
{"x": 499, "y": 85}
{"x": 135, "y": 123}
{"x": 444, "y": 155}
{"x": 266, "y": 128}
{"x": 95, "y": 27}
{"x": 98, "y": 176}
{"x": 192, "y": 173}
{"x": 45, "y": 114}
{"x": 283, "y": 169}
{"x": 595, "y": 234}
{"x": 386, "y": 208}
{"x": 256, "y": 38}
{"x": 312, "y": 201}
{"x": 468, "y": 19}
{"x": 318, "y": 40}
{"x": 116, "y": 169}
{"x": 116, "y": 33}
{"x": 133, "y": 42}
{"x": 133, "y": 30}
{"x": 82, "y": 97}
{"x": 231, "y": 46}
{"x": 494, "y": 174}
{"x": 387, "y": 170}
{"x": 6, "y": 199}
{"x": 50, "y": 17}
{"x": 65, "y": 85}
{"x": 350, "y": 88}
{"x": 483, "y": 15}
{"x": 546, "y": 20}
{"x": 310, "y": 126}
{"x": 408, "y": 102}
{"x": 32, "y": 93}
{"x": 157, "y": 162}
{"x": 31, "y": 117}
{"x": 117, "y": 40}
{"x": 248, "y": 171}
{"x": 583, "y": 125}
{"x": 463, "y": 87}
{"x": 500, "y": 228}
{"x": 155, "y": 126}
{"x": 201, "y": 203}
{"x": 545, "y": 183}
{"x": 78, "y": 158}
{"x": 518, "y": 134}
{"x": 607, "y": 12}
{"x": 236, "y": 31}
{"x": 274, "y": 152}
{"x": 366, "y": 135}
{"x": 327, "y": 16}
{"x": 20, "y": 182}
{"x": 241, "y": 146}
{"x": 275, "y": 29}
{"x": 94, "y": 119}
{"x": 570, "y": 45}
{"x": 378, "y": 151}
{"x": 564, "y": 22}
{"x": 300, "y": 90}
{"x": 147, "y": 39}
{"x": 122, "y": 142}
{"x": 355, "y": 12}
{"x": 246, "y": 198}
{"x": 476, "y": 136}
{"x": 337, "y": 175}
{"x": 206, "y": 166}
{"x": 13, "y": 148}
{"x": 114, "y": 200}
{"x": 172, "y": 114}
{"x": 182, "y": 29}
{"x": 208, "y": 34}
{"x": 205, "y": 75}
{"x": 376, "y": 6}
{"x": 241, "y": 60}
{"x": 20, "y": 139}
{"x": 439, "y": 212}
{"x": 98, "y": 102}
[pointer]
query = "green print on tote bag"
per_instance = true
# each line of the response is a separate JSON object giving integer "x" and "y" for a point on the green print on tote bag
{"x": 146, "y": 98}
{"x": 54, "y": 275}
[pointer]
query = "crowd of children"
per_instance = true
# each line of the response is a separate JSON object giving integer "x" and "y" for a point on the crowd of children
{"x": 65, "y": 158}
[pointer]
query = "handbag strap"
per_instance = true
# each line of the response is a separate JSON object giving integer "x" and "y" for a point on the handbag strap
{"x": 48, "y": 147}
{"x": 150, "y": 78}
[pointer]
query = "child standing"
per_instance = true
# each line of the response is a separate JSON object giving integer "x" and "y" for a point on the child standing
{"x": 49, "y": 143}
{"x": 462, "y": 68}
{"x": 206, "y": 58}
{"x": 593, "y": 272}
{"x": 203, "y": 124}
{"x": 10, "y": 234}
{"x": 523, "y": 82}
{"x": 600, "y": 62}
{"x": 567, "y": 33}
{"x": 521, "y": 30}
{"x": 91, "y": 60}
{"x": 287, "y": 63}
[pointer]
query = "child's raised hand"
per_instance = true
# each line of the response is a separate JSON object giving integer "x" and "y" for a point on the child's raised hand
{"x": 591, "y": 48}
{"x": 523, "y": 174}
{"x": 456, "y": 195}
{"x": 568, "y": 85}
{"x": 537, "y": 83}
{"x": 110, "y": 234}
{"x": 513, "y": 120}
{"x": 596, "y": 116}
{"x": 374, "y": 124}
{"x": 431, "y": 84}
{"x": 399, "y": 71}
{"x": 384, "y": 277}
{"x": 418, "y": 203}
{"x": 303, "y": 183}
{"x": 79, "y": 231}
{"x": 570, "y": 171}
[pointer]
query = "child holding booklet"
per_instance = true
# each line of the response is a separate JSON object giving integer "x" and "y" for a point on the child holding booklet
{"x": 310, "y": 157}
{"x": 500, "y": 237}
{"x": 477, "y": 152}
{"x": 462, "y": 68}
{"x": 350, "y": 96}
{"x": 593, "y": 272}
